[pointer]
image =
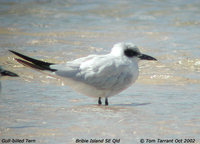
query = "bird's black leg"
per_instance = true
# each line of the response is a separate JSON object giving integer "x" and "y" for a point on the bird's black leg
{"x": 99, "y": 101}
{"x": 106, "y": 101}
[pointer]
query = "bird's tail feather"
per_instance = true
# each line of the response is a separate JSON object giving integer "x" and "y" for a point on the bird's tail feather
{"x": 33, "y": 63}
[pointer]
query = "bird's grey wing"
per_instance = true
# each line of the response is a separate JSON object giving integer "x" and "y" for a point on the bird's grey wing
{"x": 102, "y": 72}
{"x": 71, "y": 68}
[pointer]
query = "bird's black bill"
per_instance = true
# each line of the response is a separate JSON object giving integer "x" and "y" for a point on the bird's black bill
{"x": 8, "y": 73}
{"x": 146, "y": 57}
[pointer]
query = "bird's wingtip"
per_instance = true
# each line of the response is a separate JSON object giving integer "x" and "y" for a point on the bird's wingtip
{"x": 11, "y": 51}
{"x": 14, "y": 52}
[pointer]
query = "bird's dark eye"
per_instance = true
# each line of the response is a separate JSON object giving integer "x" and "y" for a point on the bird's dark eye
{"x": 130, "y": 53}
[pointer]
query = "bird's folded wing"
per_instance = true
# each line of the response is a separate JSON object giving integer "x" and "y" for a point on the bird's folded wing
{"x": 71, "y": 68}
{"x": 98, "y": 71}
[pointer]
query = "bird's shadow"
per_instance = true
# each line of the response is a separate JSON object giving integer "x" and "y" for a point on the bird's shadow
{"x": 116, "y": 107}
{"x": 120, "y": 105}
{"x": 131, "y": 104}
{"x": 113, "y": 107}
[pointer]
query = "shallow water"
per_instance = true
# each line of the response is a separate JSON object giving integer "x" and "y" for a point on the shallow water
{"x": 164, "y": 101}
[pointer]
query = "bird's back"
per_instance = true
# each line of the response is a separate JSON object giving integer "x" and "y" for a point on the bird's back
{"x": 98, "y": 74}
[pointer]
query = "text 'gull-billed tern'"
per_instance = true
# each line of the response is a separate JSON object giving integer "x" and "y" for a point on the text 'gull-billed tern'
{"x": 96, "y": 75}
